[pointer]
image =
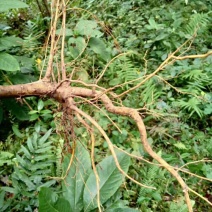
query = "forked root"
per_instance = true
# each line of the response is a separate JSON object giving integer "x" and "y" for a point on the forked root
{"x": 132, "y": 113}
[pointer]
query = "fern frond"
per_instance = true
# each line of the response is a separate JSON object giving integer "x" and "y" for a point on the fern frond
{"x": 152, "y": 90}
{"x": 193, "y": 106}
{"x": 197, "y": 22}
{"x": 31, "y": 35}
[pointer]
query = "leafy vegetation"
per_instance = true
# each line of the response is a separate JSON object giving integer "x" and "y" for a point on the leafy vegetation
{"x": 48, "y": 156}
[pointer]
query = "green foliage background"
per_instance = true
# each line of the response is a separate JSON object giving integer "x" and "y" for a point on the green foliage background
{"x": 176, "y": 104}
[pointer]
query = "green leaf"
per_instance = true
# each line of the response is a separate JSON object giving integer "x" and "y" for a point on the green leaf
{"x": 207, "y": 110}
{"x": 74, "y": 183}
{"x": 18, "y": 110}
{"x": 49, "y": 202}
{"x": 30, "y": 145}
{"x": 20, "y": 78}
{"x": 98, "y": 46}
{"x": 8, "y": 62}
{"x": 88, "y": 28}
{"x": 122, "y": 210}
{"x": 40, "y": 105}
{"x": 34, "y": 117}
{"x": 26, "y": 152}
{"x": 180, "y": 145}
{"x": 9, "y": 189}
{"x": 110, "y": 180}
{"x": 24, "y": 178}
{"x": 2, "y": 195}
{"x": 42, "y": 150}
{"x": 45, "y": 137}
{"x": 16, "y": 131}
{"x": 5, "y": 158}
{"x": 11, "y": 4}
{"x": 9, "y": 41}
{"x": 68, "y": 32}
{"x": 77, "y": 45}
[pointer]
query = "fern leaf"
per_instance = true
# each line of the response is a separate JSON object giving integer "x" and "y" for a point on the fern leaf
{"x": 197, "y": 22}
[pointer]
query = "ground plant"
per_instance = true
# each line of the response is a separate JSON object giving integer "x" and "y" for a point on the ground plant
{"x": 105, "y": 105}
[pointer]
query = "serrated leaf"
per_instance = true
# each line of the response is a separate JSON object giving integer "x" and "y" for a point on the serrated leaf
{"x": 11, "y": 4}
{"x": 8, "y": 62}
{"x": 110, "y": 180}
{"x": 75, "y": 181}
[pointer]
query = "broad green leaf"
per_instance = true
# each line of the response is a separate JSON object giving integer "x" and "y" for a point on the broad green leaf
{"x": 110, "y": 180}
{"x": 49, "y": 202}
{"x": 8, "y": 62}
{"x": 68, "y": 32}
{"x": 98, "y": 46}
{"x": 77, "y": 45}
{"x": 122, "y": 210}
{"x": 88, "y": 28}
{"x": 20, "y": 78}
{"x": 74, "y": 183}
{"x": 26, "y": 64}
{"x": 82, "y": 75}
{"x": 9, "y": 41}
{"x": 11, "y": 4}
{"x": 16, "y": 109}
